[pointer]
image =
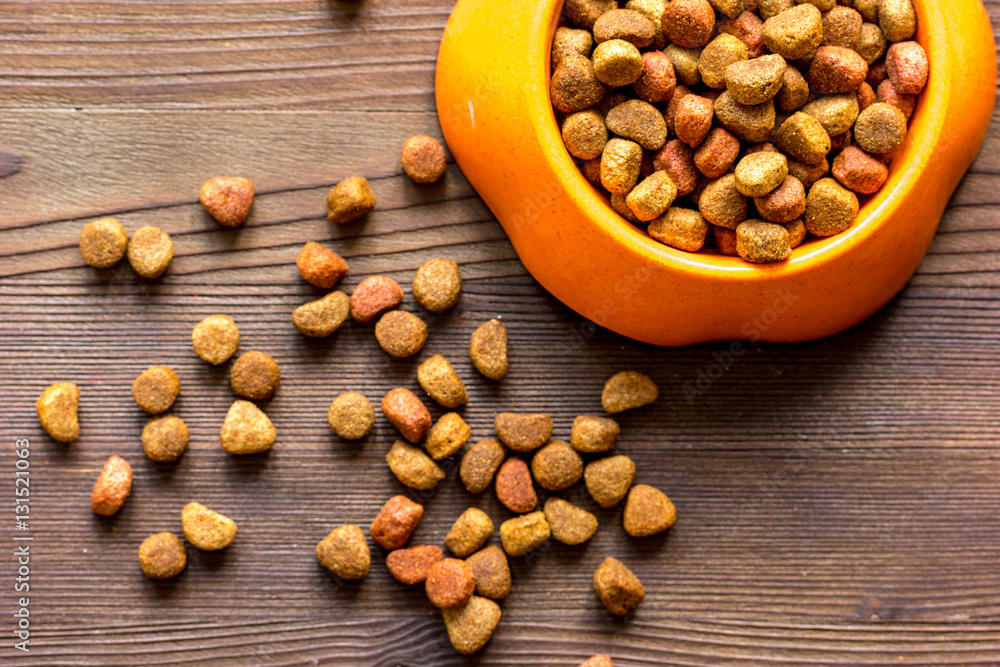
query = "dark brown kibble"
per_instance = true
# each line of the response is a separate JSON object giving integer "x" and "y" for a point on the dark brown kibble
{"x": 722, "y": 204}
{"x": 164, "y": 438}
{"x": 450, "y": 583}
{"x": 609, "y": 479}
{"x": 488, "y": 349}
{"x": 585, "y": 13}
{"x": 423, "y": 159}
{"x": 514, "y": 487}
{"x": 351, "y": 416}
{"x": 215, "y": 339}
{"x": 617, "y": 587}
{"x": 345, "y": 552}
{"x": 410, "y": 566}
{"x": 748, "y": 122}
{"x": 112, "y": 487}
{"x": 405, "y": 411}
{"x": 349, "y": 200}
{"x": 320, "y": 266}
{"x": 592, "y": 435}
{"x": 150, "y": 251}
{"x": 103, "y": 243}
{"x": 794, "y": 91}
{"x": 374, "y": 296}
{"x": 320, "y": 318}
{"x": 480, "y": 464}
{"x": 648, "y": 511}
{"x": 437, "y": 284}
{"x": 395, "y": 522}
{"x": 156, "y": 389}
{"x": 227, "y": 199}
{"x": 557, "y": 466}
{"x": 255, "y": 375}
{"x": 523, "y": 432}
{"x": 162, "y": 556}
{"x": 401, "y": 334}
{"x": 492, "y": 572}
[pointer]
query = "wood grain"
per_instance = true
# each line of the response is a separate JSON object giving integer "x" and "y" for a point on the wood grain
{"x": 838, "y": 500}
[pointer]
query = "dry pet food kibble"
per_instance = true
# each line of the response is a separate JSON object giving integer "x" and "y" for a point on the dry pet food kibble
{"x": 103, "y": 243}
{"x": 374, "y": 296}
{"x": 423, "y": 159}
{"x": 322, "y": 317}
{"x": 164, "y": 438}
{"x": 648, "y": 511}
{"x": 592, "y": 435}
{"x": 395, "y": 522}
{"x": 557, "y": 466}
{"x": 410, "y": 566}
{"x": 227, "y": 199}
{"x": 447, "y": 436}
{"x": 412, "y": 467}
{"x": 514, "y": 487}
{"x": 523, "y": 432}
{"x": 351, "y": 416}
{"x": 574, "y": 85}
{"x": 471, "y": 626}
{"x": 345, "y": 552}
{"x": 156, "y": 389}
{"x": 247, "y": 430}
{"x": 401, "y": 334}
{"x": 162, "y": 556}
{"x": 628, "y": 390}
{"x": 762, "y": 242}
{"x": 206, "y": 529}
{"x": 255, "y": 375}
{"x": 569, "y": 524}
{"x": 320, "y": 266}
{"x": 349, "y": 200}
{"x": 57, "y": 411}
{"x": 441, "y": 382}
{"x": 405, "y": 411}
{"x": 437, "y": 285}
{"x": 450, "y": 583}
{"x": 598, "y": 661}
{"x": 488, "y": 349}
{"x": 608, "y": 480}
{"x": 480, "y": 464}
{"x": 150, "y": 251}
{"x": 112, "y": 487}
{"x": 524, "y": 534}
{"x": 619, "y": 589}
{"x": 215, "y": 339}
{"x": 492, "y": 572}
{"x": 469, "y": 532}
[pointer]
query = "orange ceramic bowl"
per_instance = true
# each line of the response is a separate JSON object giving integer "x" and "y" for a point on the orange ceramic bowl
{"x": 493, "y": 103}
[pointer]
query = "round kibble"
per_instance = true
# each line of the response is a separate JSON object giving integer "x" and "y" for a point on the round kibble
{"x": 759, "y": 173}
{"x": 688, "y": 23}
{"x": 574, "y": 85}
{"x": 880, "y": 128}
{"x": 351, "y": 416}
{"x": 897, "y": 19}
{"x": 150, "y": 251}
{"x": 255, "y": 375}
{"x": 401, "y": 334}
{"x": 859, "y": 171}
{"x": 320, "y": 266}
{"x": 349, "y": 200}
{"x": 206, "y": 529}
{"x": 57, "y": 409}
{"x": 345, "y": 553}
{"x": 557, "y": 466}
{"x": 103, "y": 243}
{"x": 871, "y": 43}
{"x": 830, "y": 208}
{"x": 450, "y": 583}
{"x": 658, "y": 78}
{"x": 488, "y": 349}
{"x": 320, "y": 318}
{"x": 227, "y": 199}
{"x": 437, "y": 284}
{"x": 162, "y": 556}
{"x": 717, "y": 57}
{"x": 156, "y": 389}
{"x": 762, "y": 242}
{"x": 725, "y": 241}
{"x": 215, "y": 339}
{"x": 617, "y": 63}
{"x": 423, "y": 159}
{"x": 842, "y": 27}
{"x": 783, "y": 204}
{"x": 164, "y": 438}
{"x": 721, "y": 203}
{"x": 585, "y": 134}
{"x": 639, "y": 121}
{"x": 374, "y": 296}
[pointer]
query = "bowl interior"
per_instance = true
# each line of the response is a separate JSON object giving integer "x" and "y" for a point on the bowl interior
{"x": 922, "y": 129}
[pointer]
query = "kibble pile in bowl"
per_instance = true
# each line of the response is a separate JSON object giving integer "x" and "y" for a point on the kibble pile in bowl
{"x": 753, "y": 123}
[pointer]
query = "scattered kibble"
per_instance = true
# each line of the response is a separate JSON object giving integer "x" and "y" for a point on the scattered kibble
{"x": 488, "y": 349}
{"x": 345, "y": 552}
{"x": 450, "y": 583}
{"x": 522, "y": 535}
{"x": 247, "y": 430}
{"x": 227, "y": 199}
{"x": 401, "y": 334}
{"x": 320, "y": 318}
{"x": 162, "y": 556}
{"x": 57, "y": 411}
{"x": 112, "y": 487}
{"x": 648, "y": 511}
{"x": 593, "y": 435}
{"x": 480, "y": 464}
{"x": 396, "y": 522}
{"x": 471, "y": 626}
{"x": 320, "y": 266}
{"x": 492, "y": 572}
{"x": 557, "y": 466}
{"x": 447, "y": 436}
{"x": 405, "y": 411}
{"x": 609, "y": 479}
{"x": 628, "y": 390}
{"x": 514, "y": 487}
{"x": 207, "y": 529}
{"x": 423, "y": 159}
{"x": 374, "y": 296}
{"x": 156, "y": 389}
{"x": 150, "y": 251}
{"x": 351, "y": 416}
{"x": 412, "y": 467}
{"x": 410, "y": 565}
{"x": 103, "y": 243}
{"x": 349, "y": 200}
{"x": 469, "y": 532}
{"x": 617, "y": 587}
{"x": 523, "y": 432}
{"x": 437, "y": 284}
{"x": 164, "y": 438}
{"x": 215, "y": 339}
{"x": 255, "y": 375}
{"x": 569, "y": 524}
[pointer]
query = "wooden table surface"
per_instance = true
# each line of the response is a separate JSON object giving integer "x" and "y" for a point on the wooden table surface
{"x": 839, "y": 501}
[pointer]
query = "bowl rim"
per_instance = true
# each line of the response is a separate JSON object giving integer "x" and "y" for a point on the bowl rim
{"x": 925, "y": 124}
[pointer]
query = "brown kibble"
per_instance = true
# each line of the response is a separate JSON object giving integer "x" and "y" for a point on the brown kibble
{"x": 685, "y": 62}
{"x": 492, "y": 572}
{"x": 759, "y": 173}
{"x": 227, "y": 199}
{"x": 796, "y": 33}
{"x": 888, "y": 94}
{"x": 423, "y": 159}
{"x": 835, "y": 69}
{"x": 450, "y": 583}
{"x": 718, "y": 56}
{"x": 693, "y": 119}
{"x": 401, "y": 334}
{"x": 410, "y": 566}
{"x": 322, "y": 317}
{"x": 523, "y": 432}
{"x": 674, "y": 105}
{"x": 395, "y": 522}
{"x": 574, "y": 86}
{"x": 794, "y": 91}
{"x": 488, "y": 349}
{"x": 680, "y": 228}
{"x": 351, "y": 416}
{"x": 156, "y": 389}
{"x": 897, "y": 19}
{"x": 748, "y": 28}
{"x": 619, "y": 589}
{"x": 103, "y": 243}
{"x": 57, "y": 411}
{"x": 215, "y": 339}
{"x": 652, "y": 196}
{"x": 769, "y": 8}
{"x": 859, "y": 171}
{"x": 440, "y": 381}
{"x": 842, "y": 27}
{"x": 557, "y": 466}
{"x": 405, "y": 411}
{"x": 880, "y": 128}
{"x": 725, "y": 242}
{"x": 906, "y": 64}
{"x": 479, "y": 464}
{"x": 592, "y": 435}
{"x": 620, "y": 164}
{"x": 412, "y": 467}
{"x": 748, "y": 122}
{"x": 762, "y": 242}
{"x": 247, "y": 430}
{"x": 688, "y": 23}
{"x": 345, "y": 552}
{"x": 783, "y": 204}
{"x": 320, "y": 266}
{"x": 255, "y": 375}
{"x": 717, "y": 153}
{"x": 653, "y": 11}
{"x": 447, "y": 436}
{"x": 585, "y": 134}
{"x": 877, "y": 73}
{"x": 677, "y": 159}
{"x": 796, "y": 232}
{"x": 871, "y": 43}
{"x": 569, "y": 524}
{"x": 591, "y": 170}
{"x": 150, "y": 251}
{"x": 585, "y": 13}
{"x": 722, "y": 204}
{"x": 570, "y": 42}
{"x": 469, "y": 532}
{"x": 514, "y": 487}
{"x": 830, "y": 208}
{"x": 867, "y": 8}
{"x": 808, "y": 173}
{"x": 164, "y": 438}
{"x": 437, "y": 284}
{"x": 625, "y": 24}
{"x": 658, "y": 79}
{"x": 471, "y": 626}
{"x": 374, "y": 296}
{"x": 206, "y": 529}
{"x": 866, "y": 96}
{"x": 639, "y": 121}
{"x": 597, "y": 661}
{"x": 522, "y": 535}
{"x": 162, "y": 556}
{"x": 112, "y": 487}
{"x": 609, "y": 479}
{"x": 836, "y": 113}
{"x": 803, "y": 138}
{"x": 755, "y": 81}
{"x": 619, "y": 204}
{"x": 349, "y": 200}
